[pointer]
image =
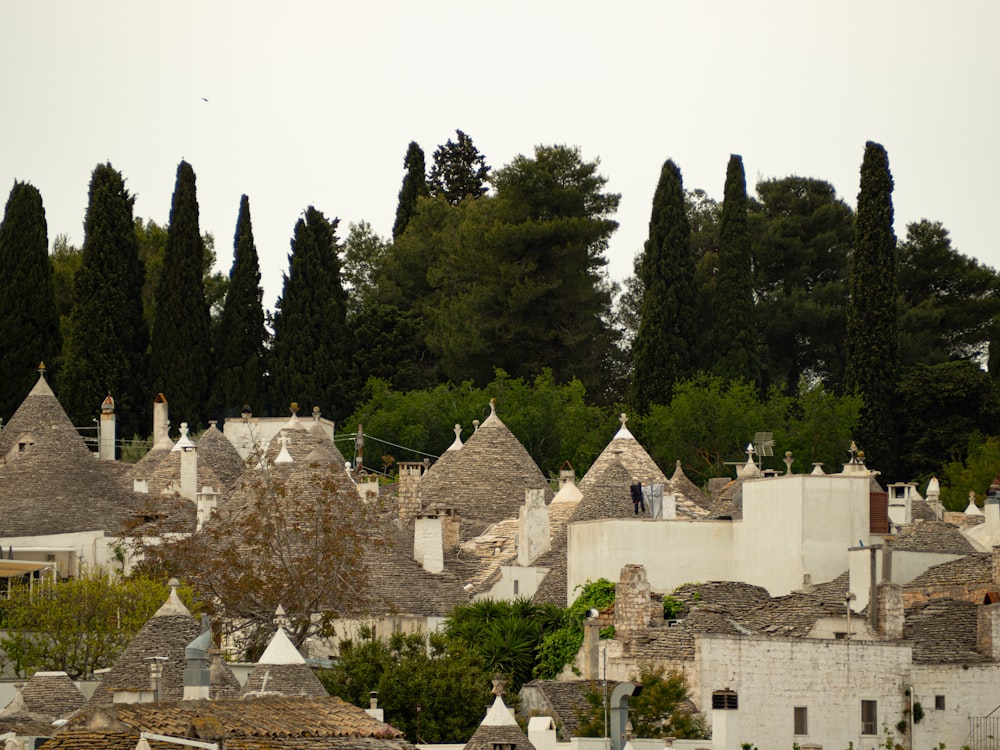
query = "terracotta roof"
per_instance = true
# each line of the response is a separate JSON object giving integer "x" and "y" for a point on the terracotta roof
{"x": 285, "y": 717}
{"x": 932, "y": 536}
{"x": 126, "y": 741}
{"x": 486, "y": 478}
{"x": 56, "y": 485}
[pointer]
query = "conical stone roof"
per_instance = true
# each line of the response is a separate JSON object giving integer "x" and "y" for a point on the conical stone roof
{"x": 216, "y": 452}
{"x": 486, "y": 479}
{"x": 626, "y": 449}
{"x": 50, "y": 482}
{"x": 282, "y": 671}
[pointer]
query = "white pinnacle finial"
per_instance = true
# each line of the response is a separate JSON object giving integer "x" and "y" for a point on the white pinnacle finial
{"x": 184, "y": 442}
{"x": 283, "y": 457}
{"x": 493, "y": 407}
{"x": 458, "y": 439}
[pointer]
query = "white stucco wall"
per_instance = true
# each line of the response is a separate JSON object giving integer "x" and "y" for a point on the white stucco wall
{"x": 792, "y": 525}
{"x": 515, "y": 582}
{"x": 830, "y": 678}
{"x": 674, "y": 552}
{"x": 905, "y": 567}
{"x": 90, "y": 548}
{"x": 968, "y": 690}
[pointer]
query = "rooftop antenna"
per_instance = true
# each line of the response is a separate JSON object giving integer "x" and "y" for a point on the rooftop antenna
{"x": 763, "y": 443}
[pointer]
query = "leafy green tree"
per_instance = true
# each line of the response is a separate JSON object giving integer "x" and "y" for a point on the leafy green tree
{"x": 77, "y": 625}
{"x": 552, "y": 420}
{"x": 505, "y": 635}
{"x": 434, "y": 695}
{"x": 364, "y": 254}
{"x": 180, "y": 345}
{"x": 107, "y": 338}
{"x": 520, "y": 283}
{"x": 29, "y": 320}
{"x": 665, "y": 347}
{"x": 801, "y": 236}
{"x": 66, "y": 261}
{"x": 973, "y": 474}
{"x": 414, "y": 187}
{"x": 152, "y": 239}
{"x": 707, "y": 423}
{"x": 658, "y": 711}
{"x": 238, "y": 372}
{"x": 561, "y": 645}
{"x": 940, "y": 407}
{"x": 459, "y": 171}
{"x": 872, "y": 338}
{"x": 819, "y": 428}
{"x": 947, "y": 301}
{"x": 734, "y": 330}
{"x": 311, "y": 351}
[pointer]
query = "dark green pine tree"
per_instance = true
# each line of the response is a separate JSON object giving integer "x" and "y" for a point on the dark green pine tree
{"x": 734, "y": 335}
{"x": 107, "y": 338}
{"x": 459, "y": 170}
{"x": 414, "y": 186}
{"x": 180, "y": 348}
{"x": 872, "y": 348}
{"x": 29, "y": 320}
{"x": 311, "y": 353}
{"x": 664, "y": 351}
{"x": 238, "y": 372}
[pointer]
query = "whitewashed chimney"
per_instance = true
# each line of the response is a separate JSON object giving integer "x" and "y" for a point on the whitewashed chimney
{"x": 161, "y": 421}
{"x": 428, "y": 542}
{"x": 189, "y": 465}
{"x": 208, "y": 501}
{"x": 108, "y": 432}
{"x": 533, "y": 528}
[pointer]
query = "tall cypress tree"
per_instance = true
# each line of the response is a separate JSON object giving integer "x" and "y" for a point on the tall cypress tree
{"x": 311, "y": 354}
{"x": 414, "y": 186}
{"x": 107, "y": 338}
{"x": 459, "y": 170}
{"x": 238, "y": 377}
{"x": 180, "y": 352}
{"x": 734, "y": 335}
{"x": 664, "y": 351}
{"x": 872, "y": 348}
{"x": 29, "y": 320}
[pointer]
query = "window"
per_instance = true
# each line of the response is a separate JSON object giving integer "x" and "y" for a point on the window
{"x": 725, "y": 699}
{"x": 515, "y": 586}
{"x": 801, "y": 720}
{"x": 869, "y": 717}
{"x": 939, "y": 703}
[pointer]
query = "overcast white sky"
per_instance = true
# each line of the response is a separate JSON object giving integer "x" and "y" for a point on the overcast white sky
{"x": 314, "y": 103}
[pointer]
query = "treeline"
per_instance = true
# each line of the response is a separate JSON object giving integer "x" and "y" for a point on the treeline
{"x": 495, "y": 279}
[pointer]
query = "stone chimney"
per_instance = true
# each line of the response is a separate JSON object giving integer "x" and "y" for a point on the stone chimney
{"x": 533, "y": 528}
{"x": 189, "y": 465}
{"x": 107, "y": 431}
{"x": 988, "y": 630}
{"x": 161, "y": 421}
{"x": 995, "y": 564}
{"x": 450, "y": 527}
{"x": 409, "y": 488}
{"x": 890, "y": 610}
{"x": 207, "y": 502}
{"x": 632, "y": 601}
{"x": 428, "y": 542}
{"x": 197, "y": 670}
